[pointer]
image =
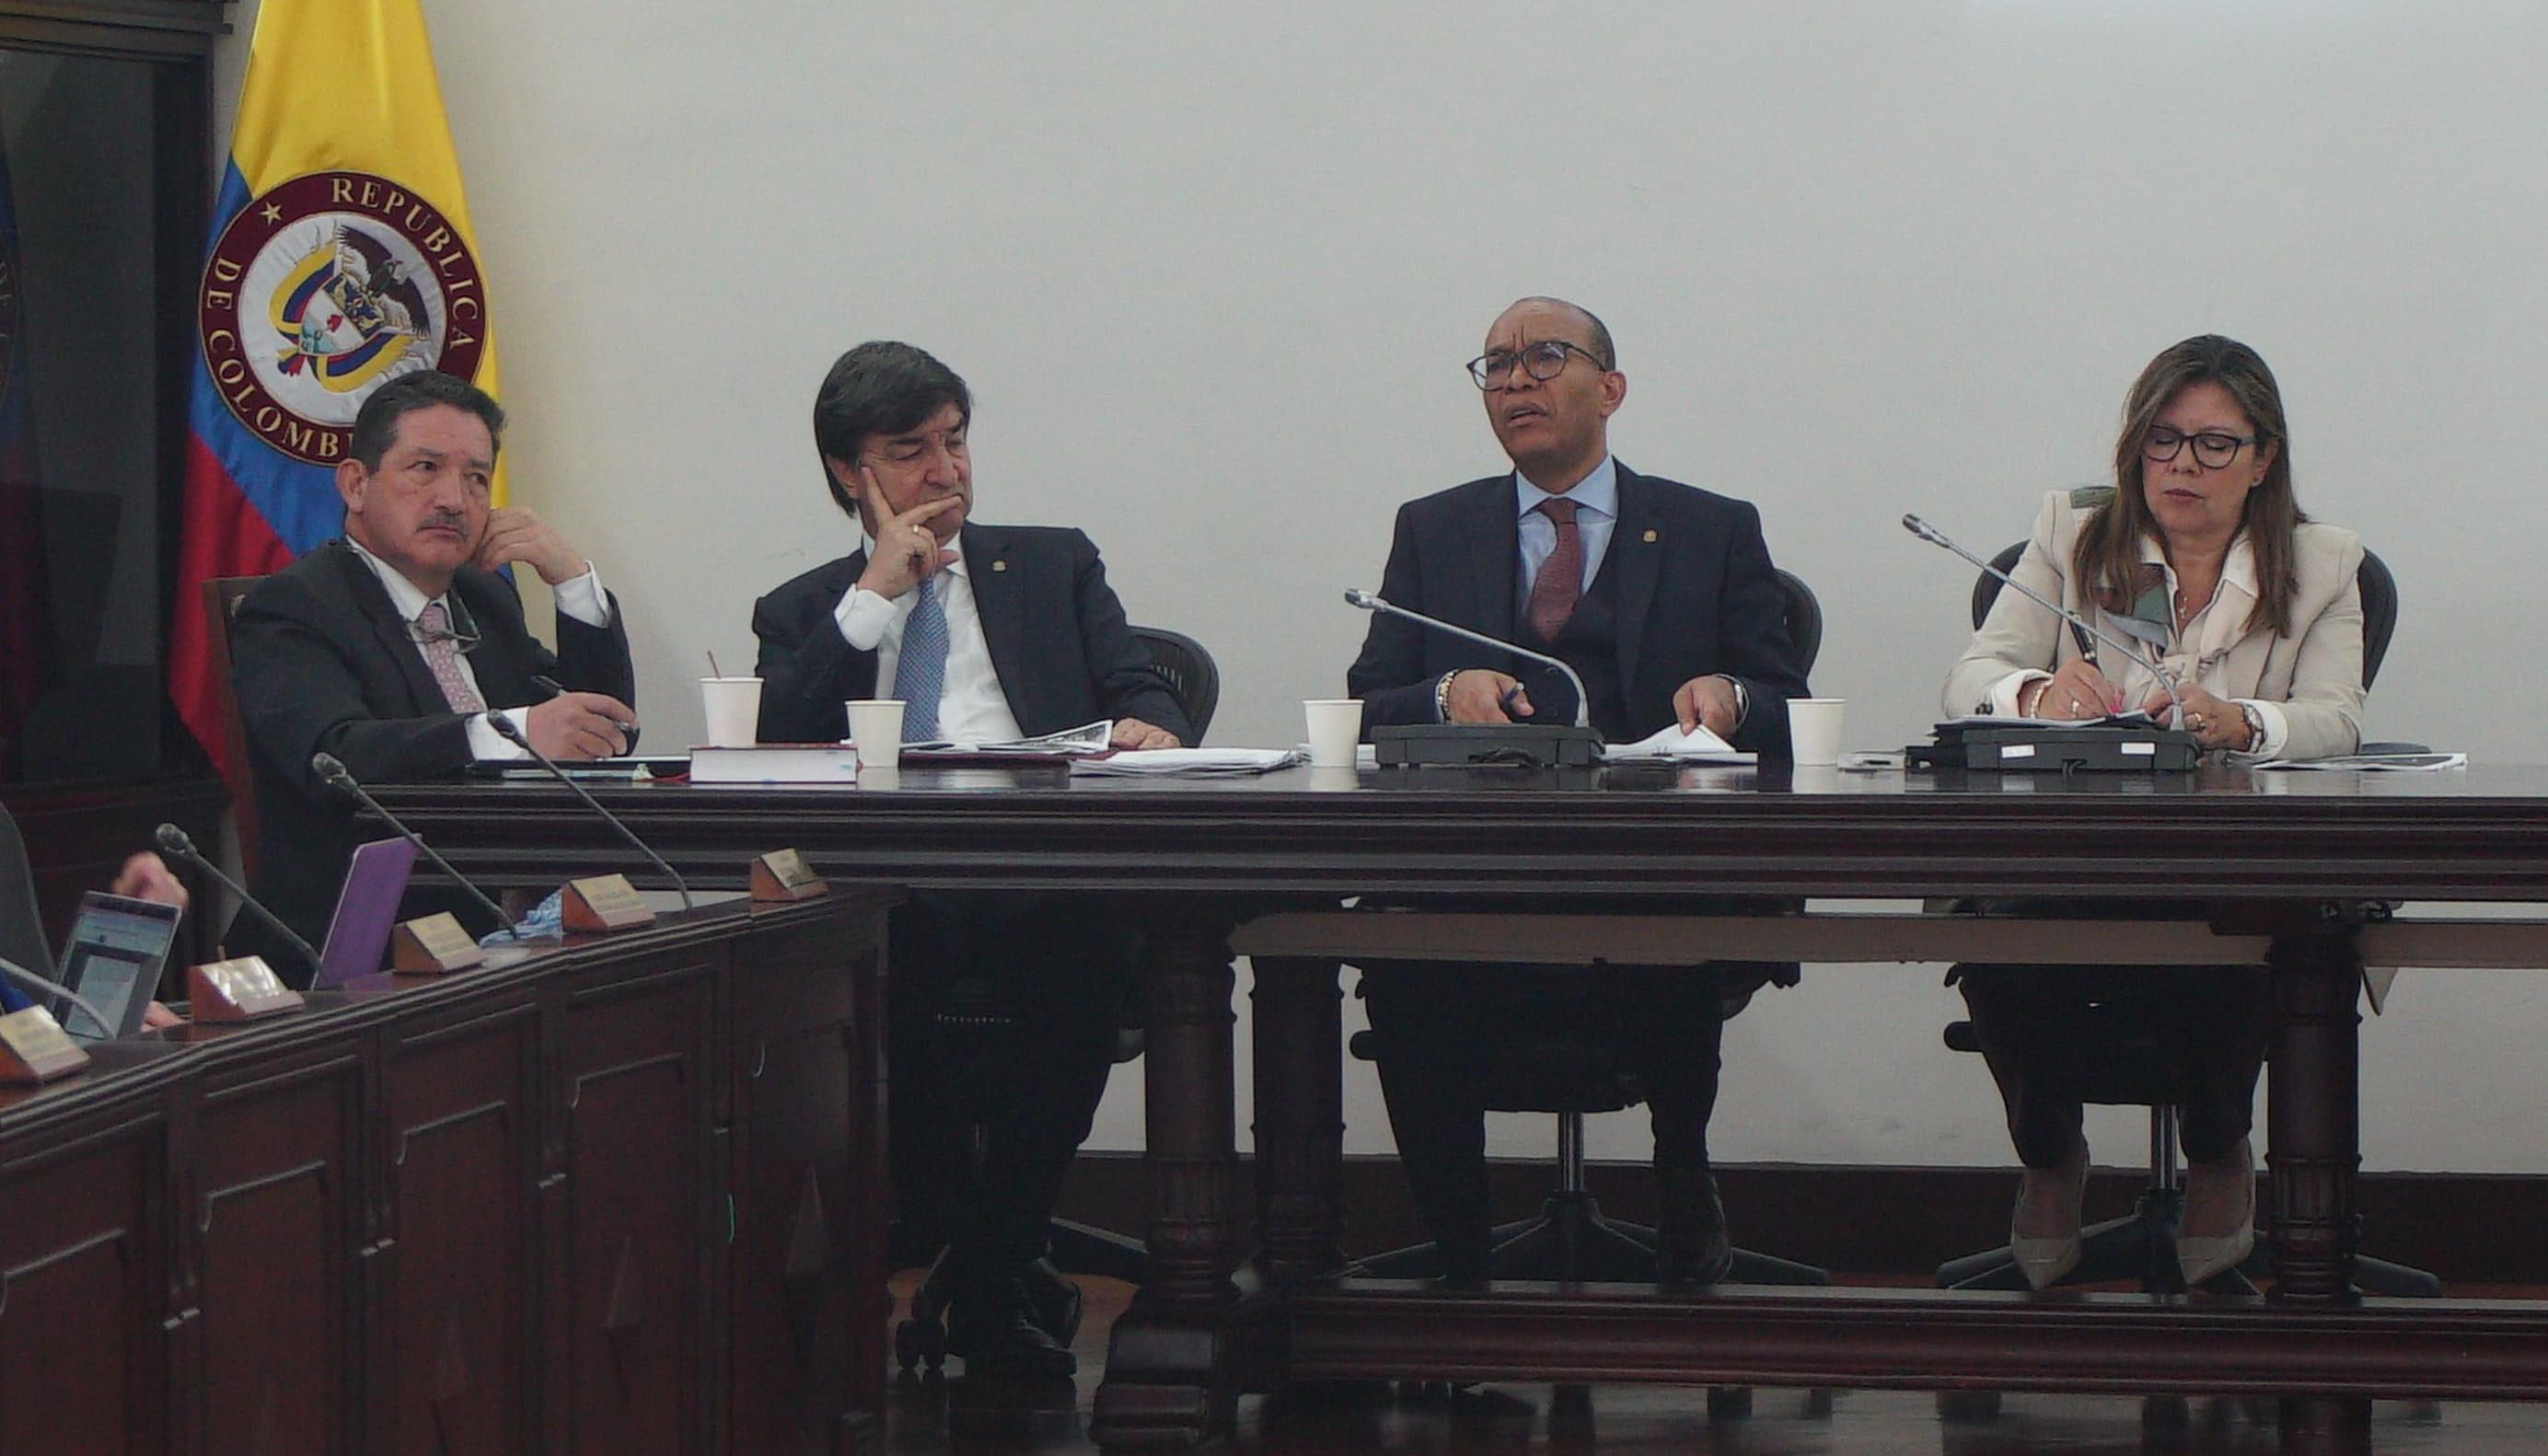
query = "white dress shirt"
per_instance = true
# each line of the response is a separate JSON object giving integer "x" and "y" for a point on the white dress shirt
{"x": 971, "y": 708}
{"x": 2195, "y": 649}
{"x": 580, "y": 598}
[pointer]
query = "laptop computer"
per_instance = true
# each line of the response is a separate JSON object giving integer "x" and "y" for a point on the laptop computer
{"x": 117, "y": 948}
{"x": 358, "y": 935}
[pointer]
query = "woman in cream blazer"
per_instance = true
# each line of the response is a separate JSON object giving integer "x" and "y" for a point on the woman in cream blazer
{"x": 2198, "y": 552}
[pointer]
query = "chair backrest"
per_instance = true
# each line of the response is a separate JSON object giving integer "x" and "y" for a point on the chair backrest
{"x": 1193, "y": 678}
{"x": 1804, "y": 621}
{"x": 2379, "y": 604}
{"x": 22, "y": 920}
{"x": 222, "y": 596}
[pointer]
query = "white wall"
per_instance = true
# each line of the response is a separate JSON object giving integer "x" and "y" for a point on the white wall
{"x": 1212, "y": 270}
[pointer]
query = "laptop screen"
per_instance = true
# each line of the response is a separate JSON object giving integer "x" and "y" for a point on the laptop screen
{"x": 112, "y": 960}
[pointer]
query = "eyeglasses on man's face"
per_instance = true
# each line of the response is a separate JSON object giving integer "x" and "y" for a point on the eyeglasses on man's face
{"x": 1543, "y": 361}
{"x": 2212, "y": 449}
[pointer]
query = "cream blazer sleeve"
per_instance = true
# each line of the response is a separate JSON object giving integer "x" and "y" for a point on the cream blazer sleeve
{"x": 2018, "y": 635}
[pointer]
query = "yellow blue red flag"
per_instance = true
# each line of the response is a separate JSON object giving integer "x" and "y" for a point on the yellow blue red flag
{"x": 340, "y": 259}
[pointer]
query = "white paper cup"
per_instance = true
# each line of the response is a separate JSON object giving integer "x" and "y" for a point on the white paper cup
{"x": 1336, "y": 726}
{"x": 1813, "y": 727}
{"x": 734, "y": 710}
{"x": 876, "y": 726}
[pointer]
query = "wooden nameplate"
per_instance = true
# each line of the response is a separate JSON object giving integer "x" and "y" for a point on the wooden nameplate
{"x": 783, "y": 875}
{"x": 34, "y": 1049}
{"x": 242, "y": 988}
{"x": 600, "y": 902}
{"x": 431, "y": 944}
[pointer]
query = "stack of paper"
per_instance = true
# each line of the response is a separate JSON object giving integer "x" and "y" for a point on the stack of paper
{"x": 2368, "y": 764}
{"x": 1671, "y": 746}
{"x": 1134, "y": 762}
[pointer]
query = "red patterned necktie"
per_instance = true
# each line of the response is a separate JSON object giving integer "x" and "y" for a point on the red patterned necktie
{"x": 433, "y": 633}
{"x": 1560, "y": 583}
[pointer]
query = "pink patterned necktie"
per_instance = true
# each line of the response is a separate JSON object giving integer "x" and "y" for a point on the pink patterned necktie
{"x": 433, "y": 633}
{"x": 1560, "y": 583}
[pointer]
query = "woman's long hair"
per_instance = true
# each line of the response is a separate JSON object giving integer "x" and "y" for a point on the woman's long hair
{"x": 2109, "y": 554}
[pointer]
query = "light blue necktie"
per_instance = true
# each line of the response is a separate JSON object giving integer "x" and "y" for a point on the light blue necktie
{"x": 920, "y": 672}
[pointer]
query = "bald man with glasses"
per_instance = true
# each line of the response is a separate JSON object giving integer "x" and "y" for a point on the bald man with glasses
{"x": 1664, "y": 600}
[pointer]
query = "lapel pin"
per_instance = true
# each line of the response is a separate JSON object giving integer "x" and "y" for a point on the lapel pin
{"x": 1653, "y": 536}
{"x": 999, "y": 566}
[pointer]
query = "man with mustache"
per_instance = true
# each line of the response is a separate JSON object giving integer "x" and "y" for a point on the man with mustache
{"x": 1663, "y": 599}
{"x": 392, "y": 647}
{"x": 986, "y": 633}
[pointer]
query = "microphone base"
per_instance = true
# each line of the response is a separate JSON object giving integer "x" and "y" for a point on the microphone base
{"x": 2034, "y": 749}
{"x": 1486, "y": 745}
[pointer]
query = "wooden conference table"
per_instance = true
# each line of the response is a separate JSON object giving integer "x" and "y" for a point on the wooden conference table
{"x": 2282, "y": 859}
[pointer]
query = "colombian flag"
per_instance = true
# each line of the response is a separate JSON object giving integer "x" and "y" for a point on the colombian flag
{"x": 340, "y": 258}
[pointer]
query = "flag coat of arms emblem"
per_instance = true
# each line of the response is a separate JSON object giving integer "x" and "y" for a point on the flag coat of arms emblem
{"x": 340, "y": 259}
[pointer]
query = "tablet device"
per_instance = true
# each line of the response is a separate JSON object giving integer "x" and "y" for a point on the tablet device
{"x": 366, "y": 912}
{"x": 117, "y": 948}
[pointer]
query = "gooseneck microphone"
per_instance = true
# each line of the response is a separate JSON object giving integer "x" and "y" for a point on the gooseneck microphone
{"x": 1582, "y": 700}
{"x": 43, "y": 990}
{"x": 175, "y": 841}
{"x": 332, "y": 770}
{"x": 513, "y": 733}
{"x": 1935, "y": 537}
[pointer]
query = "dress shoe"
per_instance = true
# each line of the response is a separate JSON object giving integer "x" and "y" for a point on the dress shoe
{"x": 1690, "y": 1247}
{"x": 2219, "y": 1225}
{"x": 1052, "y": 1302}
{"x": 992, "y": 1326}
{"x": 2044, "y": 1232}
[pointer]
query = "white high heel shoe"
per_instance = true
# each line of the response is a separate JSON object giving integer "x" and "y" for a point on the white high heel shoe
{"x": 2045, "y": 1257}
{"x": 2222, "y": 1242}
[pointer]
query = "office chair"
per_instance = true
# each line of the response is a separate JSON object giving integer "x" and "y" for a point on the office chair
{"x": 2122, "y": 1066}
{"x": 975, "y": 1020}
{"x": 222, "y": 596}
{"x": 1566, "y": 1065}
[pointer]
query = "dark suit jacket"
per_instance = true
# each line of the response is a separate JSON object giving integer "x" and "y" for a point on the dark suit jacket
{"x": 1697, "y": 596}
{"x": 321, "y": 661}
{"x": 1056, "y": 635}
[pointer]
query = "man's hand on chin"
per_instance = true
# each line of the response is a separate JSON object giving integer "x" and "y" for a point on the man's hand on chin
{"x": 1134, "y": 733}
{"x": 515, "y": 533}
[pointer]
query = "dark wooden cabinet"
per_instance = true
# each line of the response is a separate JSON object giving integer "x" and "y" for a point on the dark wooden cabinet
{"x": 806, "y": 1341}
{"x": 456, "y": 1259}
{"x": 272, "y": 1226}
{"x": 84, "y": 1282}
{"x": 620, "y": 1198}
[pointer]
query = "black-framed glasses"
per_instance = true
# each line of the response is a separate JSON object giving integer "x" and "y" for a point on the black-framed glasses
{"x": 1544, "y": 360}
{"x": 2212, "y": 449}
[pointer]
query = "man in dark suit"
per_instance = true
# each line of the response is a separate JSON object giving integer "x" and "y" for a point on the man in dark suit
{"x": 1663, "y": 598}
{"x": 986, "y": 633}
{"x": 392, "y": 647}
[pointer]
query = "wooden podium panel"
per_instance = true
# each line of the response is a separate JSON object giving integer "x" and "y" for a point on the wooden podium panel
{"x": 275, "y": 1231}
{"x": 629, "y": 1216}
{"x": 807, "y": 1344}
{"x": 461, "y": 1294}
{"x": 484, "y": 1213}
{"x": 83, "y": 1287}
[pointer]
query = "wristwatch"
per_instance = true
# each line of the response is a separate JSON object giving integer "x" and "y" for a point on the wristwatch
{"x": 1442, "y": 696}
{"x": 2255, "y": 726}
